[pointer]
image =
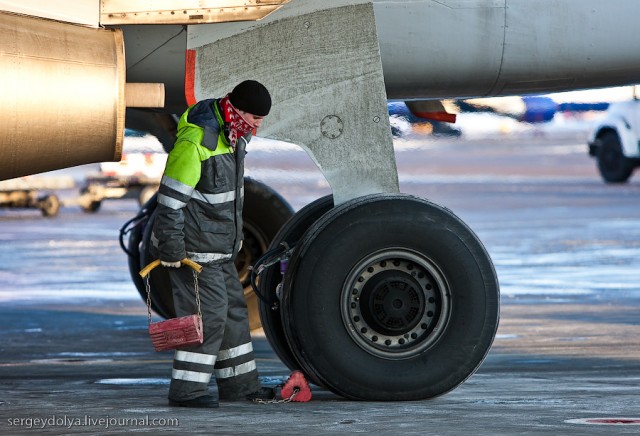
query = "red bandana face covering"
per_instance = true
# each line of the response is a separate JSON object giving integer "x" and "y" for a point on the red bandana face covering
{"x": 237, "y": 125}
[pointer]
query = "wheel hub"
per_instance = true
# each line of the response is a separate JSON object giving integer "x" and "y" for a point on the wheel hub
{"x": 392, "y": 302}
{"x": 395, "y": 303}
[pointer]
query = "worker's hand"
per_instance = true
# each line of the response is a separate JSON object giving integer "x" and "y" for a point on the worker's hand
{"x": 171, "y": 264}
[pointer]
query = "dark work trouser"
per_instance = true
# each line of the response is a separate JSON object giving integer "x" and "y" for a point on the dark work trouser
{"x": 227, "y": 349}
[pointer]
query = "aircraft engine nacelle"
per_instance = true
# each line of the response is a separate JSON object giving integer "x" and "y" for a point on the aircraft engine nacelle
{"x": 62, "y": 90}
{"x": 62, "y": 87}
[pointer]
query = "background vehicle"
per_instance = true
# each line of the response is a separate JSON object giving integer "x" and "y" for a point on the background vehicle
{"x": 27, "y": 192}
{"x": 137, "y": 175}
{"x": 615, "y": 142}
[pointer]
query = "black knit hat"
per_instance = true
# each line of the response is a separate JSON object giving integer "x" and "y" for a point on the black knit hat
{"x": 251, "y": 96}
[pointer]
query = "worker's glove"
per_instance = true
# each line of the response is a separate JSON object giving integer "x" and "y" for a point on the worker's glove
{"x": 170, "y": 264}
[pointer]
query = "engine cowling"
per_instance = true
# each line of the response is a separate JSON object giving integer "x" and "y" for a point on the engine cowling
{"x": 62, "y": 87}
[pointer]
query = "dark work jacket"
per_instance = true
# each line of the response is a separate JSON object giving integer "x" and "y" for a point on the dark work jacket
{"x": 200, "y": 199}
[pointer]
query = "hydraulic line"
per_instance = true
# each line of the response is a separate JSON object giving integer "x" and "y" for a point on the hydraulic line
{"x": 281, "y": 253}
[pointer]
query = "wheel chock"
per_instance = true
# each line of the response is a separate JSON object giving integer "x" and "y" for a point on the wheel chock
{"x": 296, "y": 388}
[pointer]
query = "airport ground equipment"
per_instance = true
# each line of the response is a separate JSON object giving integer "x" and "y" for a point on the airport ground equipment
{"x": 615, "y": 142}
{"x": 31, "y": 192}
{"x": 100, "y": 187}
{"x": 137, "y": 175}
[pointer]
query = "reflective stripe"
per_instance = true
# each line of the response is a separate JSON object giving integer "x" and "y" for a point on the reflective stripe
{"x": 207, "y": 257}
{"x": 187, "y": 356}
{"x": 176, "y": 185}
{"x": 223, "y": 197}
{"x": 154, "y": 241}
{"x": 235, "y": 352}
{"x": 236, "y": 370}
{"x": 192, "y": 376}
{"x": 170, "y": 202}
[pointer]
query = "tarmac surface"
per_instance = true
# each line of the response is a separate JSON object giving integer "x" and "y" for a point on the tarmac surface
{"x": 75, "y": 357}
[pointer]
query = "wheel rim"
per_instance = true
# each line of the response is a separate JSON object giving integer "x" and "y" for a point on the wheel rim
{"x": 395, "y": 303}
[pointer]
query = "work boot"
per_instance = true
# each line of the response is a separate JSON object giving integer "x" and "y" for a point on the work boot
{"x": 263, "y": 393}
{"x": 206, "y": 401}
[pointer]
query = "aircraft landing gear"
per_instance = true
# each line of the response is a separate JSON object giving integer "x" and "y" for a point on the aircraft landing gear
{"x": 386, "y": 297}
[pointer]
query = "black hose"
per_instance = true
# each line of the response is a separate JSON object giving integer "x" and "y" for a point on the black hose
{"x": 140, "y": 219}
{"x": 137, "y": 220}
{"x": 270, "y": 257}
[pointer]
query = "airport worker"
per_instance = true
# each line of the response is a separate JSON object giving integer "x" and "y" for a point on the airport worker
{"x": 199, "y": 217}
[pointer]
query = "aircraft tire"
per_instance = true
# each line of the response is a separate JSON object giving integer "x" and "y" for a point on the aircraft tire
{"x": 270, "y": 315}
{"x": 390, "y": 297}
{"x": 613, "y": 165}
{"x": 264, "y": 212}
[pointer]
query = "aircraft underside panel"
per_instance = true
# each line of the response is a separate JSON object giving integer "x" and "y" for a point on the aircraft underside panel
{"x": 325, "y": 76}
{"x": 472, "y": 48}
{"x": 569, "y": 45}
{"x": 440, "y": 48}
{"x": 430, "y": 49}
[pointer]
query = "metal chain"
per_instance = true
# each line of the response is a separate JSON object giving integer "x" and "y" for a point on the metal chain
{"x": 274, "y": 401}
{"x": 148, "y": 286}
{"x": 195, "y": 286}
